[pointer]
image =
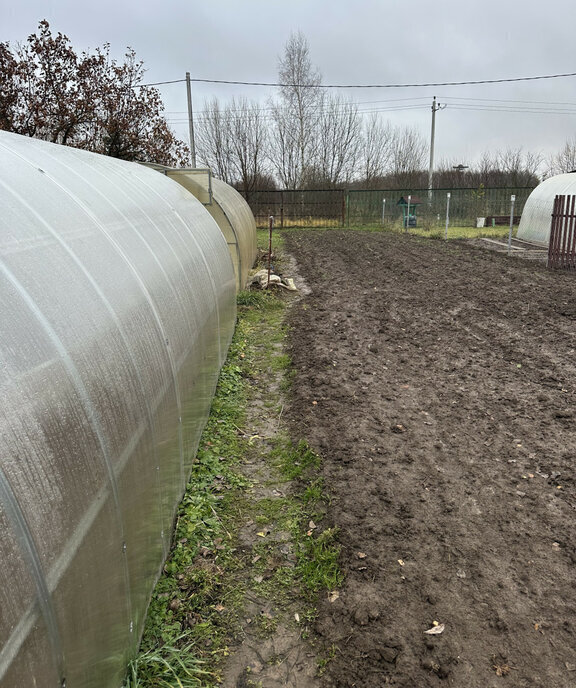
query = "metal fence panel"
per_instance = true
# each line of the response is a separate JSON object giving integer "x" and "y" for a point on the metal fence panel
{"x": 363, "y": 207}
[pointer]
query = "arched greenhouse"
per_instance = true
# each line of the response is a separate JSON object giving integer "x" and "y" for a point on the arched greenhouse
{"x": 537, "y": 213}
{"x": 117, "y": 296}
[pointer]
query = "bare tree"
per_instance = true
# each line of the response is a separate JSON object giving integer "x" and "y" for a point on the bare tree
{"x": 339, "y": 130}
{"x": 232, "y": 140}
{"x": 375, "y": 149}
{"x": 248, "y": 140}
{"x": 295, "y": 114}
{"x": 408, "y": 156}
{"x": 563, "y": 161}
{"x": 213, "y": 140}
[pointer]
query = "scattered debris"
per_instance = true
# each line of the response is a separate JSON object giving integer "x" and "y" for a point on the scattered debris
{"x": 436, "y": 629}
{"x": 261, "y": 279}
{"x": 333, "y": 596}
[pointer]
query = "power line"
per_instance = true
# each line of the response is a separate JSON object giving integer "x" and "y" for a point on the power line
{"x": 320, "y": 86}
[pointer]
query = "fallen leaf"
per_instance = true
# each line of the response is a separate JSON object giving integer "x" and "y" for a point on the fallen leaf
{"x": 401, "y": 562}
{"x": 261, "y": 534}
{"x": 333, "y": 596}
{"x": 219, "y": 608}
{"x": 361, "y": 555}
{"x": 258, "y": 579}
{"x": 436, "y": 629}
{"x": 311, "y": 525}
{"x": 501, "y": 669}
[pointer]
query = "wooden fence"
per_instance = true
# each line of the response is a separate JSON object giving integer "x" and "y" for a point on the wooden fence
{"x": 562, "y": 246}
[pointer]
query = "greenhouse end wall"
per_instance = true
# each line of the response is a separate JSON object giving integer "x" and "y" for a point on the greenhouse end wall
{"x": 117, "y": 296}
{"x": 537, "y": 215}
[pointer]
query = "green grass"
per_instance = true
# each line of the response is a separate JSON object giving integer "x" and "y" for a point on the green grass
{"x": 197, "y": 604}
{"x": 435, "y": 232}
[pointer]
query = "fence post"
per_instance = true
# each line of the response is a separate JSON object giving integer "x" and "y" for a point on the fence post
{"x": 343, "y": 208}
{"x": 512, "y": 200}
{"x": 270, "y": 225}
{"x": 447, "y": 215}
{"x": 383, "y": 211}
{"x": 282, "y": 210}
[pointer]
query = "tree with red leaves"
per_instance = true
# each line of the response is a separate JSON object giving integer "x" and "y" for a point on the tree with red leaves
{"x": 87, "y": 101}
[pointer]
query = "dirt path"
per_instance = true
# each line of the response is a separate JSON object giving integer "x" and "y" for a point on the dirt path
{"x": 437, "y": 381}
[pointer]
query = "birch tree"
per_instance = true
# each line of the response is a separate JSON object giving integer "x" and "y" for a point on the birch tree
{"x": 295, "y": 114}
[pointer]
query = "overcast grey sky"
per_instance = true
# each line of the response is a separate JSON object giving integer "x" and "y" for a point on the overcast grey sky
{"x": 351, "y": 42}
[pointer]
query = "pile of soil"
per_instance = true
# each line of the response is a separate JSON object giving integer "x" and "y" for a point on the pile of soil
{"x": 437, "y": 382}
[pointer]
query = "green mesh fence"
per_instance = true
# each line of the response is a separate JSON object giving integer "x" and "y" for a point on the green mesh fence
{"x": 349, "y": 208}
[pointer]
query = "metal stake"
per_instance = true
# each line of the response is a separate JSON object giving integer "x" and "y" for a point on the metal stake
{"x": 383, "y": 209}
{"x": 408, "y": 214}
{"x": 512, "y": 200}
{"x": 270, "y": 226}
{"x": 447, "y": 215}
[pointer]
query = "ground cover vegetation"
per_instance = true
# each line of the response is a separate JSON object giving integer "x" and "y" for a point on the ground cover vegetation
{"x": 243, "y": 530}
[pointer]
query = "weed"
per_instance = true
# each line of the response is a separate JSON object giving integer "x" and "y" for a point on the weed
{"x": 318, "y": 561}
{"x": 324, "y": 661}
{"x": 294, "y": 460}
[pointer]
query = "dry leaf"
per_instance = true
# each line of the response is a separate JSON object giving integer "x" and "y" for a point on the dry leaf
{"x": 361, "y": 555}
{"x": 435, "y": 630}
{"x": 219, "y": 608}
{"x": 401, "y": 562}
{"x": 261, "y": 534}
{"x": 312, "y": 525}
{"x": 333, "y": 596}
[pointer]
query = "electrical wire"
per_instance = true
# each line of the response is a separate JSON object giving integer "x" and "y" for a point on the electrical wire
{"x": 321, "y": 86}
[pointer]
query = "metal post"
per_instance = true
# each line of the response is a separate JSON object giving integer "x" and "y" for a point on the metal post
{"x": 191, "y": 120}
{"x": 408, "y": 214}
{"x": 512, "y": 200}
{"x": 447, "y": 215}
{"x": 270, "y": 226}
{"x": 383, "y": 209}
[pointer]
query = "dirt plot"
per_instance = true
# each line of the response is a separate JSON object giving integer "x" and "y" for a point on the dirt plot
{"x": 437, "y": 381}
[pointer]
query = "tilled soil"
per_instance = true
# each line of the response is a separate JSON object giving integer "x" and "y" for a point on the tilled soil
{"x": 437, "y": 382}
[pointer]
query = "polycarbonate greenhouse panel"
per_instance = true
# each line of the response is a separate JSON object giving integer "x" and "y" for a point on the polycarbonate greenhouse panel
{"x": 230, "y": 211}
{"x": 242, "y": 225}
{"x": 117, "y": 297}
{"x": 537, "y": 214}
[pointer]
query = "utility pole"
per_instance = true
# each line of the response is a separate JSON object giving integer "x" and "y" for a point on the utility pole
{"x": 435, "y": 108}
{"x": 191, "y": 120}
